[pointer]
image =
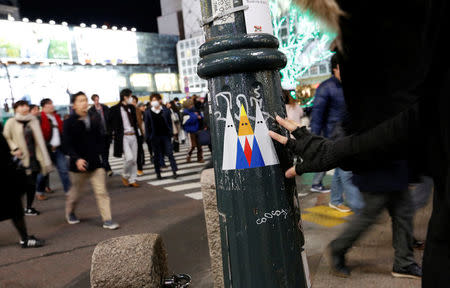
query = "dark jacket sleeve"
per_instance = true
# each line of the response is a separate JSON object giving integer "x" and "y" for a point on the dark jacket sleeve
{"x": 67, "y": 140}
{"x": 148, "y": 124}
{"x": 319, "y": 109}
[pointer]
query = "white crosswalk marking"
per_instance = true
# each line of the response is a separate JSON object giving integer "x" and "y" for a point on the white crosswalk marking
{"x": 188, "y": 181}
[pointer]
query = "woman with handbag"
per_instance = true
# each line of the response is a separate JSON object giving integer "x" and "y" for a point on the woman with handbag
{"x": 176, "y": 126}
{"x": 191, "y": 124}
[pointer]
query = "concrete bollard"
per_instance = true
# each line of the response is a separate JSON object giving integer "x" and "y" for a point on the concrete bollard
{"x": 129, "y": 261}
{"x": 212, "y": 225}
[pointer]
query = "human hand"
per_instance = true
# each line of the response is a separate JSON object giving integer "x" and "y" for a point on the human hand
{"x": 81, "y": 165}
{"x": 18, "y": 153}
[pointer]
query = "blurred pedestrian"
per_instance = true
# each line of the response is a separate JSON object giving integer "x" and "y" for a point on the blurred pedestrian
{"x": 24, "y": 136}
{"x": 327, "y": 110}
{"x": 176, "y": 124}
{"x": 191, "y": 124}
{"x": 84, "y": 143}
{"x": 182, "y": 135}
{"x": 409, "y": 118}
{"x": 14, "y": 185}
{"x": 124, "y": 127}
{"x": 34, "y": 110}
{"x": 158, "y": 124}
{"x": 103, "y": 111}
{"x": 140, "y": 122}
{"x": 52, "y": 127}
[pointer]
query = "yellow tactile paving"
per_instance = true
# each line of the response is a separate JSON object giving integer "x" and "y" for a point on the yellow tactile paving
{"x": 325, "y": 216}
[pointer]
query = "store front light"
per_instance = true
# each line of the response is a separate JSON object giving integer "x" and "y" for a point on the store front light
{"x": 52, "y": 22}
{"x": 133, "y": 29}
{"x": 124, "y": 29}
{"x": 26, "y": 20}
{"x": 104, "y": 27}
{"x": 65, "y": 23}
{"x": 93, "y": 26}
{"x": 39, "y": 21}
{"x": 114, "y": 28}
{"x": 82, "y": 25}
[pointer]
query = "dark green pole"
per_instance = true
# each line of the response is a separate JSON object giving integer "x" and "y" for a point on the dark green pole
{"x": 260, "y": 222}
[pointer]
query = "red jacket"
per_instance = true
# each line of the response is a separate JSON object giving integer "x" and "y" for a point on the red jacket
{"x": 46, "y": 125}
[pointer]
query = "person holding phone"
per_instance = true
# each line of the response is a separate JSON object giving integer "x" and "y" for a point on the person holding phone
{"x": 84, "y": 143}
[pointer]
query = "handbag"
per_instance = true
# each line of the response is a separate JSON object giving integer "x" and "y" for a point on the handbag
{"x": 176, "y": 146}
{"x": 204, "y": 137}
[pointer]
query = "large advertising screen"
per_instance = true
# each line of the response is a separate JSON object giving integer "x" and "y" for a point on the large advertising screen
{"x": 106, "y": 46}
{"x": 31, "y": 42}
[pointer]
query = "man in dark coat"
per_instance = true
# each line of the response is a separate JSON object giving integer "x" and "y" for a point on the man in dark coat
{"x": 124, "y": 130}
{"x": 403, "y": 115}
{"x": 83, "y": 142}
{"x": 103, "y": 111}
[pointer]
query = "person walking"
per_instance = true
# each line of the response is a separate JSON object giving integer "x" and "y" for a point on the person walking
{"x": 103, "y": 111}
{"x": 84, "y": 143}
{"x": 329, "y": 104}
{"x": 176, "y": 125}
{"x": 14, "y": 185}
{"x": 140, "y": 122}
{"x": 158, "y": 125}
{"x": 24, "y": 136}
{"x": 191, "y": 124}
{"x": 124, "y": 127}
{"x": 52, "y": 126}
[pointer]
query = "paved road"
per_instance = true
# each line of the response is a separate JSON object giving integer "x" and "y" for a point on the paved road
{"x": 169, "y": 207}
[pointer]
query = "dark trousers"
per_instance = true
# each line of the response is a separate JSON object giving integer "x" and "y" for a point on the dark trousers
{"x": 401, "y": 211}
{"x": 141, "y": 155}
{"x": 60, "y": 161}
{"x": 105, "y": 154}
{"x": 195, "y": 144}
{"x": 436, "y": 258}
{"x": 31, "y": 188}
{"x": 162, "y": 146}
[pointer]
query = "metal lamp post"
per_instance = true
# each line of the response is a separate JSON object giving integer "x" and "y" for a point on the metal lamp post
{"x": 261, "y": 231}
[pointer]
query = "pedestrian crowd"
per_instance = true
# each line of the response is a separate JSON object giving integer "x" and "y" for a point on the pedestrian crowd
{"x": 36, "y": 140}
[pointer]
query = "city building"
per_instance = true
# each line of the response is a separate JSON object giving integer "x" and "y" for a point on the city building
{"x": 171, "y": 20}
{"x": 9, "y": 9}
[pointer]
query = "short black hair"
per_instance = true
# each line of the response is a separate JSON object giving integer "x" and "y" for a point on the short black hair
{"x": 135, "y": 98}
{"x": 155, "y": 95}
{"x": 74, "y": 96}
{"x": 32, "y": 106}
{"x": 46, "y": 101}
{"x": 20, "y": 103}
{"x": 125, "y": 93}
{"x": 94, "y": 96}
{"x": 334, "y": 62}
{"x": 176, "y": 99}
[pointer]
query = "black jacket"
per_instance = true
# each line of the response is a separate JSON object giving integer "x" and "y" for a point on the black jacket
{"x": 149, "y": 126}
{"x": 115, "y": 125}
{"x": 105, "y": 108}
{"x": 82, "y": 143}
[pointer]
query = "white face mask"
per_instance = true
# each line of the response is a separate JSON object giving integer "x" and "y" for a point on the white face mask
{"x": 130, "y": 100}
{"x": 155, "y": 104}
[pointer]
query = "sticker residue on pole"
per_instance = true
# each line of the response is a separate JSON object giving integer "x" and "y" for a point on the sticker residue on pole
{"x": 248, "y": 147}
{"x": 257, "y": 16}
{"x": 221, "y": 6}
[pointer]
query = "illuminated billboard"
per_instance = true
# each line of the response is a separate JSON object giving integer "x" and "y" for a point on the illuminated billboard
{"x": 31, "y": 42}
{"x": 166, "y": 82}
{"x": 105, "y": 46}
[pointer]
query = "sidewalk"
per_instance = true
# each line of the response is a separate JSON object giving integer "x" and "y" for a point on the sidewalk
{"x": 370, "y": 260}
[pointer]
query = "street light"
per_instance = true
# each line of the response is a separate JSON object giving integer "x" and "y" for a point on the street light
{"x": 114, "y": 28}
{"x": 26, "y": 20}
{"x": 124, "y": 29}
{"x": 64, "y": 23}
{"x": 104, "y": 27}
{"x": 82, "y": 25}
{"x": 39, "y": 21}
{"x": 52, "y": 22}
{"x": 93, "y": 26}
{"x": 133, "y": 29}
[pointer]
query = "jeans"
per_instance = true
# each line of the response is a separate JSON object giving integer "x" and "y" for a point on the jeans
{"x": 98, "y": 182}
{"x": 60, "y": 161}
{"x": 130, "y": 151}
{"x": 342, "y": 182}
{"x": 318, "y": 177}
{"x": 400, "y": 209}
{"x": 162, "y": 146}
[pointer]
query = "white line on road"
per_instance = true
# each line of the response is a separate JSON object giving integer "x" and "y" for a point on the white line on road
{"x": 182, "y": 187}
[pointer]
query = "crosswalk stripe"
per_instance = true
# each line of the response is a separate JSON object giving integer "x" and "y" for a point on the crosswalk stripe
{"x": 178, "y": 180}
{"x": 195, "y": 195}
{"x": 147, "y": 159}
{"x": 181, "y": 187}
{"x": 168, "y": 173}
{"x": 151, "y": 169}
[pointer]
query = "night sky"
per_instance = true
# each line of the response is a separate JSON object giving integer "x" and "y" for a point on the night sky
{"x": 140, "y": 14}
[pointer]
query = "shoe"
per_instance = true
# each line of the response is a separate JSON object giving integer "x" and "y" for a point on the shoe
{"x": 41, "y": 197}
{"x": 31, "y": 212}
{"x": 337, "y": 263}
{"x": 201, "y": 161}
{"x": 110, "y": 225}
{"x": 412, "y": 271}
{"x": 134, "y": 184}
{"x": 109, "y": 173}
{"x": 31, "y": 242}
{"x": 418, "y": 245}
{"x": 163, "y": 166}
{"x": 319, "y": 188}
{"x": 159, "y": 177}
{"x": 341, "y": 208}
{"x": 72, "y": 219}
{"x": 140, "y": 172}
{"x": 188, "y": 159}
{"x": 125, "y": 182}
{"x": 175, "y": 175}
{"x": 49, "y": 190}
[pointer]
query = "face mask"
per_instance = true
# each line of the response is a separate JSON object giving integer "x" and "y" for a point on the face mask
{"x": 155, "y": 104}
{"x": 130, "y": 100}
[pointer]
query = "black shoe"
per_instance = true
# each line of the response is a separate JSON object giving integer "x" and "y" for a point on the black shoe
{"x": 337, "y": 263}
{"x": 158, "y": 177}
{"x": 175, "y": 175}
{"x": 31, "y": 212}
{"x": 32, "y": 242}
{"x": 412, "y": 271}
